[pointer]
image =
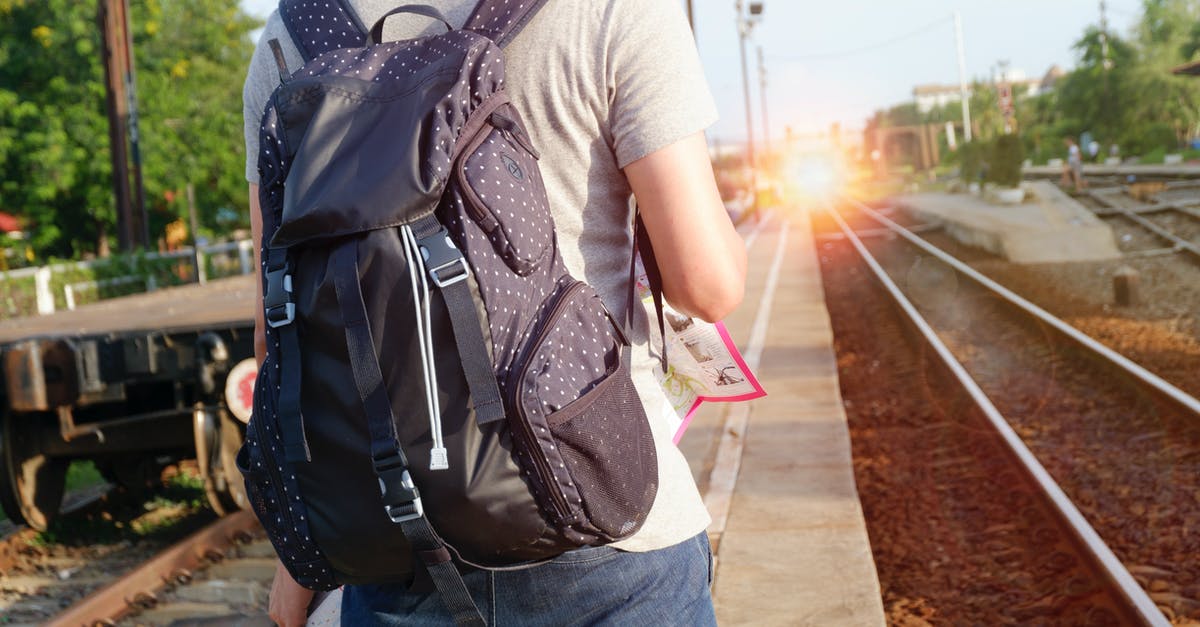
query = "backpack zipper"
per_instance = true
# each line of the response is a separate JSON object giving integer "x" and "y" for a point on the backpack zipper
{"x": 545, "y": 472}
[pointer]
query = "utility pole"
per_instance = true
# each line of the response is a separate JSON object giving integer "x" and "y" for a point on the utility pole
{"x": 1105, "y": 61}
{"x": 111, "y": 19}
{"x": 135, "y": 142}
{"x": 1005, "y": 96}
{"x": 762, "y": 96}
{"x": 962, "y": 78}
{"x": 121, "y": 100}
{"x": 744, "y": 24}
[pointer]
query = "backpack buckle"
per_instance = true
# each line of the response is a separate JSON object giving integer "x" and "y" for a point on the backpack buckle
{"x": 278, "y": 306}
{"x": 401, "y": 499}
{"x": 443, "y": 260}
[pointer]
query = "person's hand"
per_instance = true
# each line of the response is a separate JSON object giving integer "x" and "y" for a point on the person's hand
{"x": 289, "y": 600}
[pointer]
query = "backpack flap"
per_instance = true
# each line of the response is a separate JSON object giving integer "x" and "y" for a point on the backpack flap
{"x": 368, "y": 151}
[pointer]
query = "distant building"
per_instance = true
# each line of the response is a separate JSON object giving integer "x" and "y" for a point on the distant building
{"x": 1050, "y": 80}
{"x": 932, "y": 96}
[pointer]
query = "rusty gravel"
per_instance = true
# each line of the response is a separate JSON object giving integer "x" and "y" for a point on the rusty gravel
{"x": 959, "y": 534}
{"x": 1129, "y": 463}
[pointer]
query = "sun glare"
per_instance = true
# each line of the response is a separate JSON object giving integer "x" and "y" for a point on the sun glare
{"x": 816, "y": 175}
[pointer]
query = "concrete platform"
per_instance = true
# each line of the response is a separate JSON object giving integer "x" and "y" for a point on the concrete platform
{"x": 793, "y": 549}
{"x": 1177, "y": 171}
{"x": 1048, "y": 227}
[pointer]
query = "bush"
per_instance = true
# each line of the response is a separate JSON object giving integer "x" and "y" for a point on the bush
{"x": 1155, "y": 156}
{"x": 1004, "y": 163}
{"x": 970, "y": 159}
{"x": 1150, "y": 139}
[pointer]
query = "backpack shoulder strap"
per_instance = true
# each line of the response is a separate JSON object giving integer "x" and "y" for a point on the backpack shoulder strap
{"x": 501, "y": 20}
{"x": 318, "y": 27}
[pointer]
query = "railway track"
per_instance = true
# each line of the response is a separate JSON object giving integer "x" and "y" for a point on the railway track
{"x": 220, "y": 573}
{"x": 113, "y": 557}
{"x": 1116, "y": 444}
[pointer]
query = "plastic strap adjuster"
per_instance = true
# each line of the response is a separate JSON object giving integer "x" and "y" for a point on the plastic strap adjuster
{"x": 279, "y": 309}
{"x": 445, "y": 263}
{"x": 401, "y": 499}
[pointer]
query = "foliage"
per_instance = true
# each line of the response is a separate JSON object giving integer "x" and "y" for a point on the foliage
{"x": 1129, "y": 97}
{"x": 18, "y": 295}
{"x": 55, "y": 172}
{"x": 1005, "y": 155}
{"x": 970, "y": 158}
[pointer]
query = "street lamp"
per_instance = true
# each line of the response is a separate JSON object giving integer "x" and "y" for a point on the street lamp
{"x": 745, "y": 23}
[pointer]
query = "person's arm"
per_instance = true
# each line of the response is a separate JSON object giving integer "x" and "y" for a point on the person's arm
{"x": 260, "y": 333}
{"x": 701, "y": 257}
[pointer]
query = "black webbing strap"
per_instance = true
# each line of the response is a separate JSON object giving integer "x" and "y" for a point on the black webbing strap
{"x": 501, "y": 20}
{"x": 364, "y": 362}
{"x": 448, "y": 271}
{"x": 401, "y": 499}
{"x": 641, "y": 243}
{"x": 446, "y": 578}
{"x": 280, "y": 314}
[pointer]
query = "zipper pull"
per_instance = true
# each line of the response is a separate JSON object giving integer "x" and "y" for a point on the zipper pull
{"x": 513, "y": 129}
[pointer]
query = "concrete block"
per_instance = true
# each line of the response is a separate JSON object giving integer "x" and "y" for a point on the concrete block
{"x": 224, "y": 592}
{"x": 169, "y": 614}
{"x": 1052, "y": 227}
{"x": 258, "y": 548}
{"x": 825, "y": 583}
{"x": 250, "y": 569}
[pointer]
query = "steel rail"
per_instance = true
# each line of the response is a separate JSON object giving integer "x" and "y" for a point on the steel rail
{"x": 1135, "y": 370}
{"x": 1129, "y": 214}
{"x": 1140, "y": 603}
{"x": 118, "y": 598}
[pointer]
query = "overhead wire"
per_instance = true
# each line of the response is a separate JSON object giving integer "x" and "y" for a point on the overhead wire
{"x": 868, "y": 48}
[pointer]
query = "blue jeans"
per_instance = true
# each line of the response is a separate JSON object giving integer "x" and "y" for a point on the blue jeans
{"x": 588, "y": 586}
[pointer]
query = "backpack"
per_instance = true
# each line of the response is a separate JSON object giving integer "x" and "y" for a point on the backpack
{"x": 438, "y": 390}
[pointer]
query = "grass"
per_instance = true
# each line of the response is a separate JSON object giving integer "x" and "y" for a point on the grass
{"x": 81, "y": 474}
{"x": 176, "y": 506}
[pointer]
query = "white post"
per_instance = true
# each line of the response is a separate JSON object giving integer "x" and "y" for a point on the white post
{"x": 199, "y": 260}
{"x": 45, "y": 298}
{"x": 951, "y": 140}
{"x": 962, "y": 78}
{"x": 245, "y": 256}
{"x": 69, "y": 294}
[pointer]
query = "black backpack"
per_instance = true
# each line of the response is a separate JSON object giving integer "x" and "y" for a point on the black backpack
{"x": 438, "y": 390}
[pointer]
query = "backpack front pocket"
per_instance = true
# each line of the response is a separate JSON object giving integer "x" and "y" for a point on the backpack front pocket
{"x": 586, "y": 433}
{"x": 503, "y": 193}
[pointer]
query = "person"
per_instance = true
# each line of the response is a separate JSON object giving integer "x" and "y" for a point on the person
{"x": 615, "y": 99}
{"x": 1073, "y": 169}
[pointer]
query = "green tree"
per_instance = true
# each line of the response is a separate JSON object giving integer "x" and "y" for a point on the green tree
{"x": 190, "y": 57}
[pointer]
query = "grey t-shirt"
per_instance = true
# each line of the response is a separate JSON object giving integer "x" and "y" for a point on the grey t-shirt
{"x": 600, "y": 85}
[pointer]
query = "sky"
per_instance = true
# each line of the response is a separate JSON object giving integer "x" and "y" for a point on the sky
{"x": 840, "y": 60}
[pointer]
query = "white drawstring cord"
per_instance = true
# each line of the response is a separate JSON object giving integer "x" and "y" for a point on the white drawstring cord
{"x": 438, "y": 457}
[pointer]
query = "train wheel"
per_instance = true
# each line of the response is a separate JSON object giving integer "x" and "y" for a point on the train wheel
{"x": 31, "y": 483}
{"x": 218, "y": 437}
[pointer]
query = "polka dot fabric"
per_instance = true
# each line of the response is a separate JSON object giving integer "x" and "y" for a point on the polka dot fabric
{"x": 322, "y": 25}
{"x": 575, "y": 433}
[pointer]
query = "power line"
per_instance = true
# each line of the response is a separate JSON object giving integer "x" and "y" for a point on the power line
{"x": 867, "y": 48}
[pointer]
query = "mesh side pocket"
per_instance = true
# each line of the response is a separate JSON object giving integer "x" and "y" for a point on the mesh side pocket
{"x": 605, "y": 440}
